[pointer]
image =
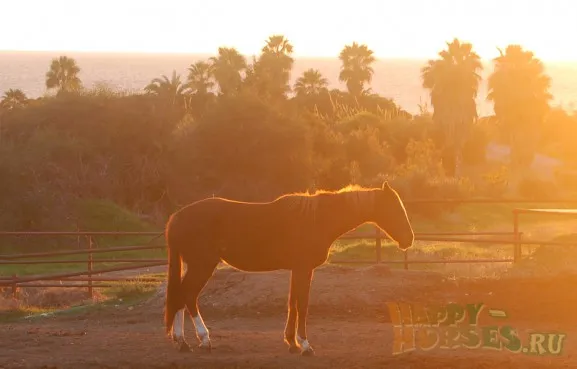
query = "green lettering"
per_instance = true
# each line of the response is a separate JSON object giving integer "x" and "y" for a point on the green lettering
{"x": 491, "y": 339}
{"x": 513, "y": 342}
{"x": 473, "y": 311}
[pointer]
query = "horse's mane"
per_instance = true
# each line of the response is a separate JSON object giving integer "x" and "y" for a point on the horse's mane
{"x": 308, "y": 202}
{"x": 347, "y": 189}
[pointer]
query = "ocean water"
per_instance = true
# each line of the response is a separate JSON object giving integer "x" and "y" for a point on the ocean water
{"x": 398, "y": 79}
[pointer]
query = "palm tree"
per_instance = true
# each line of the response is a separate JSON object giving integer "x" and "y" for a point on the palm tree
{"x": 227, "y": 68}
{"x": 277, "y": 60}
{"x": 269, "y": 76}
{"x": 200, "y": 78}
{"x": 279, "y": 45}
{"x": 63, "y": 75}
{"x": 171, "y": 90}
{"x": 453, "y": 81}
{"x": 356, "y": 67}
{"x": 310, "y": 83}
{"x": 13, "y": 99}
{"x": 519, "y": 89}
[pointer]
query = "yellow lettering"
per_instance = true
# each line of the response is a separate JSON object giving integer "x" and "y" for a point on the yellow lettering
{"x": 404, "y": 340}
{"x": 536, "y": 341}
{"x": 427, "y": 338}
{"x": 450, "y": 337}
{"x": 555, "y": 343}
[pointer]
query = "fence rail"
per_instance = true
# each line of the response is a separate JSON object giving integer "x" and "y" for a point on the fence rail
{"x": 91, "y": 275}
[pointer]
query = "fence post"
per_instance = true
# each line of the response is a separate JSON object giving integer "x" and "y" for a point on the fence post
{"x": 77, "y": 236}
{"x": 406, "y": 257}
{"x": 516, "y": 238}
{"x": 90, "y": 292}
{"x": 378, "y": 244}
{"x": 520, "y": 245}
{"x": 14, "y": 286}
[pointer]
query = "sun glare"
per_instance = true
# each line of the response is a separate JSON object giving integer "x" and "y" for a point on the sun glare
{"x": 408, "y": 29}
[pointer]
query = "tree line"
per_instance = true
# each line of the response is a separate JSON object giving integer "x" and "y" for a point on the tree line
{"x": 237, "y": 128}
{"x": 518, "y": 87}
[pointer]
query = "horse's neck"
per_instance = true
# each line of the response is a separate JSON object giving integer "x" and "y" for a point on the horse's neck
{"x": 340, "y": 214}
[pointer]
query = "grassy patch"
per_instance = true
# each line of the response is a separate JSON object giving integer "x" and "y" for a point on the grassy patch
{"x": 82, "y": 265}
{"x": 546, "y": 260}
{"x": 33, "y": 302}
{"x": 481, "y": 217}
{"x": 94, "y": 216}
{"x": 7, "y": 316}
{"x": 97, "y": 215}
{"x": 365, "y": 251}
{"x": 130, "y": 290}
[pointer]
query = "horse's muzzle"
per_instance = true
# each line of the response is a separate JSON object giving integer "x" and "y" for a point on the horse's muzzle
{"x": 404, "y": 246}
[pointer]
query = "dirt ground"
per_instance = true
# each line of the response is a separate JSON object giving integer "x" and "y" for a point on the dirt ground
{"x": 349, "y": 325}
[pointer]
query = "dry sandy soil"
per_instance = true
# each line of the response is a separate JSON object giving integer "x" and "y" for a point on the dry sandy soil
{"x": 349, "y": 324}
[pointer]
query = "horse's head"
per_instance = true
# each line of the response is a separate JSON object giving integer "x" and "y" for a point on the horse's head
{"x": 391, "y": 216}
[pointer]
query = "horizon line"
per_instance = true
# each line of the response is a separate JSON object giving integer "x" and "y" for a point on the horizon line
{"x": 208, "y": 54}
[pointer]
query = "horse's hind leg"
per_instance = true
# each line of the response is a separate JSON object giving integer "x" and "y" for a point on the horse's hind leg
{"x": 178, "y": 331}
{"x": 196, "y": 277}
{"x": 303, "y": 279}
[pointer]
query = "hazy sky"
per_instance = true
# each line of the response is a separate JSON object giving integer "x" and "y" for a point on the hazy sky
{"x": 403, "y": 28}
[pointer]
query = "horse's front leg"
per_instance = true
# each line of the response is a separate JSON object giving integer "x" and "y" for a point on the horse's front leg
{"x": 291, "y": 323}
{"x": 303, "y": 281}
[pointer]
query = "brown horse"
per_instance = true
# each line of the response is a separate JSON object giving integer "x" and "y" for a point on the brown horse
{"x": 293, "y": 232}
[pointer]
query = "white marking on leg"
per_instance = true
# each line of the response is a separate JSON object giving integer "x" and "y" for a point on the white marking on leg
{"x": 304, "y": 344}
{"x": 178, "y": 325}
{"x": 201, "y": 330}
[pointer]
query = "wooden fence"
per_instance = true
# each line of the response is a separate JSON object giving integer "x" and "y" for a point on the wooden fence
{"x": 90, "y": 274}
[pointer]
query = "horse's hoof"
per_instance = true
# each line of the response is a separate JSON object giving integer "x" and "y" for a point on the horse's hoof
{"x": 294, "y": 350}
{"x": 183, "y": 347}
{"x": 207, "y": 347}
{"x": 309, "y": 352}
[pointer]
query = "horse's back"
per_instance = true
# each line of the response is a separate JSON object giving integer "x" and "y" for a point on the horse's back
{"x": 227, "y": 213}
{"x": 248, "y": 236}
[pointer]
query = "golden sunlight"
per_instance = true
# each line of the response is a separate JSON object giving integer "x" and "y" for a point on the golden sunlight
{"x": 408, "y": 29}
{"x": 405, "y": 170}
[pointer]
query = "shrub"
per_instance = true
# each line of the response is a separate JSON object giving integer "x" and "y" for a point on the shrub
{"x": 422, "y": 177}
{"x": 242, "y": 149}
{"x": 537, "y": 189}
{"x": 494, "y": 184}
{"x": 474, "y": 150}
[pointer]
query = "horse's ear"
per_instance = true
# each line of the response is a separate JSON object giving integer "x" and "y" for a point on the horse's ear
{"x": 386, "y": 185}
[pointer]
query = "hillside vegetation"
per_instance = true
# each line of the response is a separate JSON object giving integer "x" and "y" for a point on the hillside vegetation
{"x": 237, "y": 129}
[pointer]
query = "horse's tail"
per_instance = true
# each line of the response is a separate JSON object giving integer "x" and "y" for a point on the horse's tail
{"x": 173, "y": 294}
